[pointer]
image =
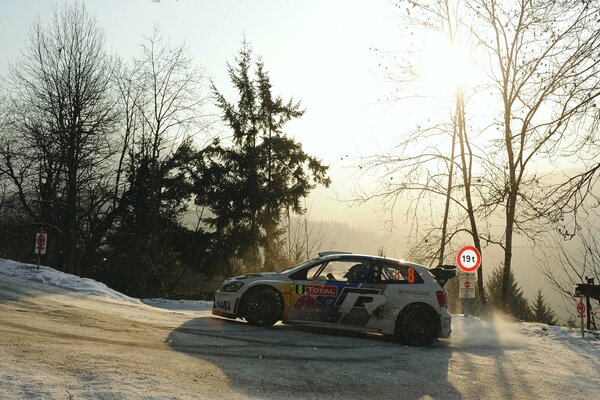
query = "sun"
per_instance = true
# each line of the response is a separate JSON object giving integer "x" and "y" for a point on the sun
{"x": 445, "y": 66}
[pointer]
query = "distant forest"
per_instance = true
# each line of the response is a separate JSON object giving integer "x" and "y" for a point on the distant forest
{"x": 103, "y": 153}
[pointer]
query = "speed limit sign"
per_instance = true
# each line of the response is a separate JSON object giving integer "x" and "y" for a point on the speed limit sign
{"x": 468, "y": 259}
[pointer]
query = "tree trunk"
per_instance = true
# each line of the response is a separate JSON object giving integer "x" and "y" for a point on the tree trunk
{"x": 467, "y": 171}
{"x": 510, "y": 219}
{"x": 448, "y": 191}
{"x": 512, "y": 196}
{"x": 71, "y": 212}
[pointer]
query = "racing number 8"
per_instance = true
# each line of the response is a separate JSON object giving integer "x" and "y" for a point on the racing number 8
{"x": 411, "y": 275}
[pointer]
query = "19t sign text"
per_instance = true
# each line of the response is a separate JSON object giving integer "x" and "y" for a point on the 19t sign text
{"x": 468, "y": 259}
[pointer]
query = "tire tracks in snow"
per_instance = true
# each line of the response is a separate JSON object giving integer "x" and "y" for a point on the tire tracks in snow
{"x": 168, "y": 337}
{"x": 228, "y": 351}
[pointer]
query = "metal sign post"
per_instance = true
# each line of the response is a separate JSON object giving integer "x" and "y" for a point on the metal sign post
{"x": 581, "y": 311}
{"x": 468, "y": 260}
{"x": 467, "y": 282}
{"x": 466, "y": 289}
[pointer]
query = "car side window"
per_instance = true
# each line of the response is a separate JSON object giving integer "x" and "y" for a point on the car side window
{"x": 400, "y": 274}
{"x": 353, "y": 271}
{"x": 329, "y": 271}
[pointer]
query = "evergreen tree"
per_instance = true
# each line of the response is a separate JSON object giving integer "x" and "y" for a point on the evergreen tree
{"x": 541, "y": 311}
{"x": 571, "y": 322}
{"x": 149, "y": 250}
{"x": 516, "y": 303}
{"x": 248, "y": 184}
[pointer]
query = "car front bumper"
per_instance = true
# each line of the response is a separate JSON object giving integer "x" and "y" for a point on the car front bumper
{"x": 225, "y": 304}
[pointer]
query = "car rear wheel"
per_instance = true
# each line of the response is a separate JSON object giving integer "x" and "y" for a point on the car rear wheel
{"x": 417, "y": 327}
{"x": 263, "y": 308}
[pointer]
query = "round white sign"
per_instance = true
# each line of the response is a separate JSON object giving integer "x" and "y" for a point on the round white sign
{"x": 468, "y": 259}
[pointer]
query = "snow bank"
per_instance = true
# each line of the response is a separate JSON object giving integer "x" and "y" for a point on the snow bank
{"x": 588, "y": 346}
{"x": 500, "y": 332}
{"x": 51, "y": 277}
{"x": 180, "y": 305}
{"x": 495, "y": 331}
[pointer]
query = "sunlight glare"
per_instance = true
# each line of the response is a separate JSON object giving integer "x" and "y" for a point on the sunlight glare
{"x": 445, "y": 66}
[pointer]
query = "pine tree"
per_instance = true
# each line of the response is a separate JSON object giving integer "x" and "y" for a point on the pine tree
{"x": 571, "y": 322}
{"x": 249, "y": 183}
{"x": 516, "y": 304}
{"x": 149, "y": 249}
{"x": 541, "y": 311}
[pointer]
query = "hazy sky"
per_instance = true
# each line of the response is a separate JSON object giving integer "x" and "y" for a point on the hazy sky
{"x": 317, "y": 51}
{"x": 320, "y": 52}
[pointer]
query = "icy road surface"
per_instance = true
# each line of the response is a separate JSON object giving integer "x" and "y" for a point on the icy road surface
{"x": 61, "y": 335}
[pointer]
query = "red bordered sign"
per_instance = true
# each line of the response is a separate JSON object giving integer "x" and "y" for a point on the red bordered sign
{"x": 41, "y": 239}
{"x": 468, "y": 259}
{"x": 580, "y": 308}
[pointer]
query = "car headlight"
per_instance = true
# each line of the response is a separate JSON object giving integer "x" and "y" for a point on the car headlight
{"x": 231, "y": 287}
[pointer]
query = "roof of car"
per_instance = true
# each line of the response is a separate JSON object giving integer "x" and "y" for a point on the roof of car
{"x": 353, "y": 256}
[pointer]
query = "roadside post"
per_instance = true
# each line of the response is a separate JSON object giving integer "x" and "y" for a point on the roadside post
{"x": 41, "y": 239}
{"x": 466, "y": 289}
{"x": 581, "y": 311}
{"x": 468, "y": 259}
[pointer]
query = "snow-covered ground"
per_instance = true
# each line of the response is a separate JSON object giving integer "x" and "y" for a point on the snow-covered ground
{"x": 61, "y": 335}
{"x": 56, "y": 279}
{"x": 179, "y": 305}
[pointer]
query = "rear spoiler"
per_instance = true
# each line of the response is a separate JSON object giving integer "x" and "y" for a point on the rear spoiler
{"x": 443, "y": 273}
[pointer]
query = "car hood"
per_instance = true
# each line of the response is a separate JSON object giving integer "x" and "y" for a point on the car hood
{"x": 268, "y": 275}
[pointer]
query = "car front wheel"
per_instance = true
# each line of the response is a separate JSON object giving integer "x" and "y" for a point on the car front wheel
{"x": 264, "y": 308}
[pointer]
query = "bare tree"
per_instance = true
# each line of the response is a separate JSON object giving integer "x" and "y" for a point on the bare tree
{"x": 544, "y": 60}
{"x": 428, "y": 172}
{"x": 58, "y": 145}
{"x": 171, "y": 95}
{"x": 165, "y": 109}
{"x": 572, "y": 260}
{"x": 160, "y": 100}
{"x": 304, "y": 236}
{"x": 3, "y": 177}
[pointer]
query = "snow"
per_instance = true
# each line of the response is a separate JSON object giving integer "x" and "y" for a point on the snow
{"x": 179, "y": 305}
{"x": 89, "y": 287}
{"x": 60, "y": 280}
{"x": 472, "y": 331}
{"x": 62, "y": 333}
{"x": 588, "y": 346}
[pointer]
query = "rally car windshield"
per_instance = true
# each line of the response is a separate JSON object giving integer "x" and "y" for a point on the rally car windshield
{"x": 296, "y": 266}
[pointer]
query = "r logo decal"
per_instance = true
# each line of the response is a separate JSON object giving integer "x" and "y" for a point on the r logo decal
{"x": 369, "y": 301}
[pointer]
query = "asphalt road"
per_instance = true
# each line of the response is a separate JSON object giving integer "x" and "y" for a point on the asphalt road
{"x": 53, "y": 344}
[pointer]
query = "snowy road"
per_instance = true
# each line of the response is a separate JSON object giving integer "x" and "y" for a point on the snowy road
{"x": 53, "y": 341}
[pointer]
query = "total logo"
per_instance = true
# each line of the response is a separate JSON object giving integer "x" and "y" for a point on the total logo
{"x": 330, "y": 291}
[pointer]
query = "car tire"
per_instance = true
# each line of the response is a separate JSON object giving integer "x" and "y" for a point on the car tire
{"x": 263, "y": 307}
{"x": 416, "y": 327}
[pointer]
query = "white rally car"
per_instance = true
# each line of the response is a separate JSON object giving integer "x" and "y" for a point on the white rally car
{"x": 348, "y": 291}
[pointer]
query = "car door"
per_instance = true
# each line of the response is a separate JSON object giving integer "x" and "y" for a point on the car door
{"x": 343, "y": 291}
{"x": 363, "y": 296}
{"x": 314, "y": 294}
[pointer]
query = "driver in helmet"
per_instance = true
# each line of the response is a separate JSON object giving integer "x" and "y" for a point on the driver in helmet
{"x": 361, "y": 273}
